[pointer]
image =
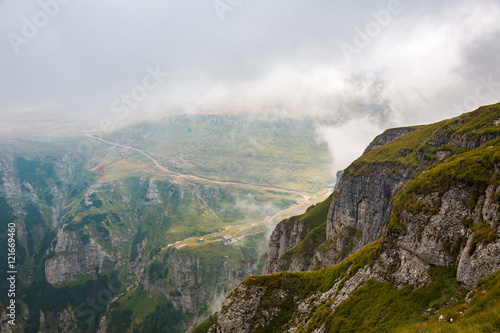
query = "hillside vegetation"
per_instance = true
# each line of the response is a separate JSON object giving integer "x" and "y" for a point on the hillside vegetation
{"x": 435, "y": 264}
{"x": 128, "y": 209}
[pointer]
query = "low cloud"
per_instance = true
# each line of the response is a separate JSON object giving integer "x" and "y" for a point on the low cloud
{"x": 249, "y": 206}
{"x": 347, "y": 142}
{"x": 428, "y": 59}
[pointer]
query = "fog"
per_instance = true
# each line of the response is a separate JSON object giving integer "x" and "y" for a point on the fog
{"x": 369, "y": 65}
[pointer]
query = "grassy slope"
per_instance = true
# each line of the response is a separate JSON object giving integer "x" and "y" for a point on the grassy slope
{"x": 303, "y": 284}
{"x": 380, "y": 307}
{"x": 419, "y": 147}
{"x": 314, "y": 217}
{"x": 257, "y": 150}
{"x": 206, "y": 324}
{"x": 480, "y": 314}
{"x": 474, "y": 168}
{"x": 313, "y": 233}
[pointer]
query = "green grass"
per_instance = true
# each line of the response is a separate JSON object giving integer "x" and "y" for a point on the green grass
{"x": 400, "y": 153}
{"x": 253, "y": 149}
{"x": 143, "y": 311}
{"x": 164, "y": 319}
{"x": 474, "y": 168}
{"x": 420, "y": 146}
{"x": 140, "y": 302}
{"x": 206, "y": 324}
{"x": 480, "y": 315}
{"x": 302, "y": 284}
{"x": 321, "y": 280}
{"x": 381, "y": 307}
{"x": 314, "y": 217}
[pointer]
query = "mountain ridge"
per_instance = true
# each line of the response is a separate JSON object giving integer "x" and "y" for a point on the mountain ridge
{"x": 417, "y": 214}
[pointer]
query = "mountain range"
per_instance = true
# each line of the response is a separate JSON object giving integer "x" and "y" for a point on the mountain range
{"x": 408, "y": 242}
{"x": 183, "y": 224}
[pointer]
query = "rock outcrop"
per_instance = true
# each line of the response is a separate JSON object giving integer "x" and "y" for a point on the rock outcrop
{"x": 418, "y": 200}
{"x": 192, "y": 282}
{"x": 73, "y": 258}
{"x": 238, "y": 312}
{"x": 285, "y": 236}
{"x": 358, "y": 211}
{"x": 388, "y": 136}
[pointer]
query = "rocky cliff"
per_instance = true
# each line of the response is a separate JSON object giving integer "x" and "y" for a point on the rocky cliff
{"x": 73, "y": 258}
{"x": 358, "y": 209}
{"x": 289, "y": 233}
{"x": 190, "y": 280}
{"x": 416, "y": 218}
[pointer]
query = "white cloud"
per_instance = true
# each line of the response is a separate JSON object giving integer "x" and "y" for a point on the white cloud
{"x": 429, "y": 58}
{"x": 347, "y": 142}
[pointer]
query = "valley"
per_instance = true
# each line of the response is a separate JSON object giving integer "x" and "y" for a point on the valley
{"x": 125, "y": 218}
{"x": 250, "y": 166}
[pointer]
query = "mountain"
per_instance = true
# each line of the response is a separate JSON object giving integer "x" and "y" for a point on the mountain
{"x": 408, "y": 242}
{"x": 122, "y": 231}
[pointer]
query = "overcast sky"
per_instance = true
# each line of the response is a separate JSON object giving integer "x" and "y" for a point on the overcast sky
{"x": 410, "y": 61}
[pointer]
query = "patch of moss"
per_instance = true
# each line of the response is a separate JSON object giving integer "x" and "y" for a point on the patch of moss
{"x": 474, "y": 169}
{"x": 381, "y": 307}
{"x": 482, "y": 234}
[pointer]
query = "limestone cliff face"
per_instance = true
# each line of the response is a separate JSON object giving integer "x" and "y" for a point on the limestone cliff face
{"x": 73, "y": 258}
{"x": 479, "y": 260}
{"x": 358, "y": 211}
{"x": 438, "y": 207}
{"x": 289, "y": 234}
{"x": 445, "y": 235}
{"x": 285, "y": 236}
{"x": 193, "y": 282}
{"x": 388, "y": 136}
{"x": 239, "y": 310}
{"x": 184, "y": 283}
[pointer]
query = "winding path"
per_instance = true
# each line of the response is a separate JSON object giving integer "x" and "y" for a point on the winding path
{"x": 198, "y": 178}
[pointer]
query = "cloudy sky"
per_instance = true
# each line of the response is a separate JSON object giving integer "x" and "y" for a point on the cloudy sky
{"x": 373, "y": 64}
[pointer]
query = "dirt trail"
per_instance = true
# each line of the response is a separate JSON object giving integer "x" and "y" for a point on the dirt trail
{"x": 198, "y": 178}
{"x": 245, "y": 232}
